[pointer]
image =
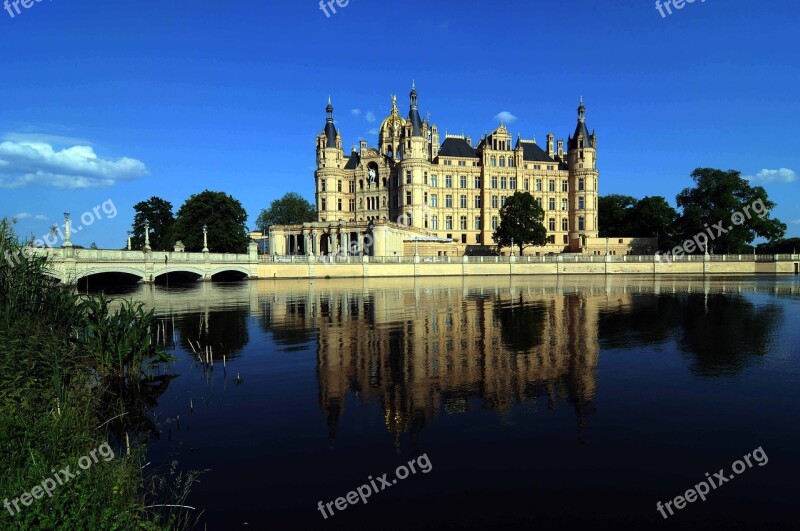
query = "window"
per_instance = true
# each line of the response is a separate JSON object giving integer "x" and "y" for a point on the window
{"x": 494, "y": 181}
{"x": 434, "y": 222}
{"x": 463, "y": 222}
{"x": 477, "y": 223}
{"x": 463, "y": 201}
{"x": 527, "y": 184}
{"x": 512, "y": 183}
{"x": 340, "y": 205}
{"x": 495, "y": 222}
{"x": 538, "y": 200}
{"x": 448, "y": 181}
{"x": 564, "y": 205}
{"x": 408, "y": 177}
{"x": 537, "y": 166}
{"x": 564, "y": 186}
{"x": 566, "y": 239}
{"x": 433, "y": 181}
{"x": 477, "y": 201}
{"x": 448, "y": 163}
{"x": 425, "y": 178}
{"x": 463, "y": 181}
{"x": 352, "y": 187}
{"x": 510, "y": 162}
{"x": 323, "y": 185}
{"x": 551, "y": 185}
{"x": 408, "y": 198}
{"x": 426, "y": 221}
{"x": 581, "y": 223}
{"x": 494, "y": 201}
{"x": 448, "y": 201}
{"x": 502, "y": 201}
{"x": 448, "y": 222}
{"x": 551, "y": 168}
{"x": 434, "y": 200}
{"x": 478, "y": 238}
{"x": 324, "y": 205}
{"x": 581, "y": 203}
{"x": 551, "y": 203}
{"x": 565, "y": 224}
{"x": 478, "y": 183}
{"x": 551, "y": 225}
{"x": 502, "y": 162}
{"x": 503, "y": 183}
{"x": 352, "y": 205}
{"x": 462, "y": 163}
{"x": 581, "y": 184}
{"x": 339, "y": 186}
{"x": 493, "y": 161}
{"x": 425, "y": 198}
{"x": 538, "y": 185}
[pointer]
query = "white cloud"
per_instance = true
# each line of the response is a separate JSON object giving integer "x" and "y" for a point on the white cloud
{"x": 24, "y": 163}
{"x": 40, "y": 217}
{"x": 22, "y": 215}
{"x": 505, "y": 117}
{"x": 783, "y": 175}
{"x": 369, "y": 117}
{"x": 57, "y": 140}
{"x": 355, "y": 112}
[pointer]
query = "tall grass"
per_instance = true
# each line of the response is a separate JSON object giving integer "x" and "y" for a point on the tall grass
{"x": 68, "y": 367}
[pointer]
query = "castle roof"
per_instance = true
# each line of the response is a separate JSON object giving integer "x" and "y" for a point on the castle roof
{"x": 457, "y": 147}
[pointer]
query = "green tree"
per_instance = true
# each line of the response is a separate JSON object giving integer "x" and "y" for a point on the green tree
{"x": 711, "y": 203}
{"x": 159, "y": 213}
{"x": 521, "y": 222}
{"x": 614, "y": 214}
{"x": 291, "y": 209}
{"x": 653, "y": 217}
{"x": 224, "y": 216}
{"x": 780, "y": 246}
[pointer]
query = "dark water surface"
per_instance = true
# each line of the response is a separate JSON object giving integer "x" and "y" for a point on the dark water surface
{"x": 570, "y": 401}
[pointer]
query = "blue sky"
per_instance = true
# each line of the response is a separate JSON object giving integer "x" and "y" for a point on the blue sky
{"x": 120, "y": 101}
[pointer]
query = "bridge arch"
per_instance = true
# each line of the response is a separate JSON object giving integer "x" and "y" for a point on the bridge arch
{"x": 131, "y": 271}
{"x": 178, "y": 272}
{"x": 230, "y": 272}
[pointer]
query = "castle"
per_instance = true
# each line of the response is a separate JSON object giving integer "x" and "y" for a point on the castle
{"x": 455, "y": 189}
{"x": 414, "y": 194}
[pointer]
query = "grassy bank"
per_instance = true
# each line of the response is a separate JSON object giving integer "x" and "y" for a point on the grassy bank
{"x": 75, "y": 378}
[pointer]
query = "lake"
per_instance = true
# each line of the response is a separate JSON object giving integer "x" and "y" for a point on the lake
{"x": 517, "y": 402}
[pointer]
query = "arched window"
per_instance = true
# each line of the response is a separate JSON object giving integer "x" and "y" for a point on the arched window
{"x": 510, "y": 162}
{"x": 502, "y": 162}
{"x": 493, "y": 161}
{"x": 361, "y": 184}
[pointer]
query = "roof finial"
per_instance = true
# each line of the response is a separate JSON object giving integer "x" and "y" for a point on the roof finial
{"x": 329, "y": 99}
{"x": 413, "y": 85}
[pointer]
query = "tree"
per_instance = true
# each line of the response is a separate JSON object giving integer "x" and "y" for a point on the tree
{"x": 291, "y": 209}
{"x": 224, "y": 216}
{"x": 711, "y": 207}
{"x": 521, "y": 222}
{"x": 614, "y": 214}
{"x": 780, "y": 246}
{"x": 159, "y": 213}
{"x": 653, "y": 217}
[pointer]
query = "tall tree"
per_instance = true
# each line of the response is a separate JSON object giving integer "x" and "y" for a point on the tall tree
{"x": 159, "y": 213}
{"x": 614, "y": 214}
{"x": 712, "y": 203}
{"x": 224, "y": 216}
{"x": 291, "y": 209}
{"x": 521, "y": 222}
{"x": 653, "y": 217}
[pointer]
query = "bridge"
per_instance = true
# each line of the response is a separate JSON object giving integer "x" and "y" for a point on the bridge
{"x": 69, "y": 264}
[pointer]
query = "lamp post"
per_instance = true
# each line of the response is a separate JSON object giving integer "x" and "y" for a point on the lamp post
{"x": 606, "y": 245}
{"x": 67, "y": 231}
{"x": 147, "y": 248}
{"x": 512, "y": 247}
{"x": 129, "y": 240}
{"x": 205, "y": 238}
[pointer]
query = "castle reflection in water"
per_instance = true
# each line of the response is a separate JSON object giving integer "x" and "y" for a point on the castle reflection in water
{"x": 422, "y": 347}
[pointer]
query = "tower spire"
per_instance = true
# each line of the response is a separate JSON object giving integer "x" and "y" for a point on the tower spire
{"x": 330, "y": 128}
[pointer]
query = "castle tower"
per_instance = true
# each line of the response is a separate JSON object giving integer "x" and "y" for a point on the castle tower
{"x": 583, "y": 176}
{"x": 414, "y": 166}
{"x": 329, "y": 175}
